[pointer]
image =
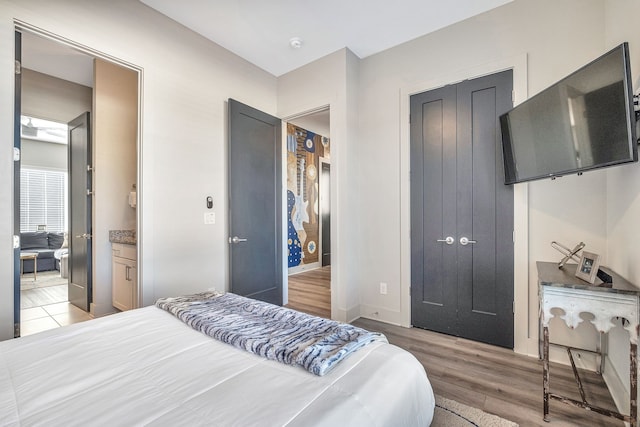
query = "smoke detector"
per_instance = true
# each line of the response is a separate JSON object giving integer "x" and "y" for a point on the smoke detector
{"x": 295, "y": 42}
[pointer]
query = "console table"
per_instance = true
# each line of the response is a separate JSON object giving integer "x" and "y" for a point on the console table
{"x": 559, "y": 288}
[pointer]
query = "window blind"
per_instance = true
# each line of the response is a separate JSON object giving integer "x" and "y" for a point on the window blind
{"x": 42, "y": 199}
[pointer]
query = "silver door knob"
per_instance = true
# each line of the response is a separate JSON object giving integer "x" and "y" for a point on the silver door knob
{"x": 236, "y": 239}
{"x": 449, "y": 240}
{"x": 84, "y": 236}
{"x": 464, "y": 241}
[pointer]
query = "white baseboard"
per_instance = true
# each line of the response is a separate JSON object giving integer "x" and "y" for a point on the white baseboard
{"x": 381, "y": 314}
{"x": 302, "y": 268}
{"x": 346, "y": 316}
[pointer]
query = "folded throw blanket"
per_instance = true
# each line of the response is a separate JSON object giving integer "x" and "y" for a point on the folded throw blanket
{"x": 267, "y": 330}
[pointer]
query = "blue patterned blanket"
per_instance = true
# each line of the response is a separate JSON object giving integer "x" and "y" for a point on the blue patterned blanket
{"x": 276, "y": 333}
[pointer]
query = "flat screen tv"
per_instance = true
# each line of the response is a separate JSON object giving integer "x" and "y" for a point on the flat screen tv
{"x": 583, "y": 122}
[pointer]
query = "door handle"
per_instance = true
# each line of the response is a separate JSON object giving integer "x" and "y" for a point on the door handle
{"x": 449, "y": 240}
{"x": 464, "y": 241}
{"x": 236, "y": 239}
{"x": 84, "y": 236}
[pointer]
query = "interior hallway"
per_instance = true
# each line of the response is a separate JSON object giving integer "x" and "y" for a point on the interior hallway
{"x": 310, "y": 292}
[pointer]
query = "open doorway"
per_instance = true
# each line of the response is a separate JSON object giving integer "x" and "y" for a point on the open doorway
{"x": 50, "y": 98}
{"x": 309, "y": 212}
{"x": 44, "y": 207}
{"x": 61, "y": 83}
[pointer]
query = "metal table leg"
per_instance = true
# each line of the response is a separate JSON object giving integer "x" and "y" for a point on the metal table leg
{"x": 545, "y": 373}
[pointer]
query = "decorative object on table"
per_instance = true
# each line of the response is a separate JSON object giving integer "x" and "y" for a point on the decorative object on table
{"x": 568, "y": 253}
{"x": 588, "y": 267}
{"x": 572, "y": 254}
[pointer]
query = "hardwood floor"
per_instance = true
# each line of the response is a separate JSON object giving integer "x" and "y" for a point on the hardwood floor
{"x": 496, "y": 379}
{"x": 491, "y": 378}
{"x": 310, "y": 292}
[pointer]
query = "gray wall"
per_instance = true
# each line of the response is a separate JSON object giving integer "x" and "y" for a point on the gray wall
{"x": 50, "y": 98}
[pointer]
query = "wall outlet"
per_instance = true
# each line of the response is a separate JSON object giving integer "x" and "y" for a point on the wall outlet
{"x": 209, "y": 218}
{"x": 383, "y": 288}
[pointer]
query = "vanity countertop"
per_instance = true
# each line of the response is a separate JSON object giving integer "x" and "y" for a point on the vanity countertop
{"x": 127, "y": 237}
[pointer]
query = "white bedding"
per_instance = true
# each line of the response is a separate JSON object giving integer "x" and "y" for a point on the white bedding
{"x": 145, "y": 367}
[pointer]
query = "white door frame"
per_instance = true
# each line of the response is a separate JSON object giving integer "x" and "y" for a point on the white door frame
{"x": 26, "y": 27}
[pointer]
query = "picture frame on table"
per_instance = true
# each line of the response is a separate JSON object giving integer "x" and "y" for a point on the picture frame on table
{"x": 588, "y": 267}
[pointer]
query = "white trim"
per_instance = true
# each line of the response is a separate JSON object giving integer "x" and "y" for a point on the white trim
{"x": 291, "y": 271}
{"x": 335, "y": 313}
{"x": 307, "y": 113}
{"x": 40, "y": 32}
{"x": 22, "y": 26}
{"x": 518, "y": 64}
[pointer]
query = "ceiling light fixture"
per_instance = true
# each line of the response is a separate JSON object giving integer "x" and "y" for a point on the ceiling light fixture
{"x": 295, "y": 42}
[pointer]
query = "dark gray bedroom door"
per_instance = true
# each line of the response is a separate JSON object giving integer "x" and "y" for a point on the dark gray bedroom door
{"x": 255, "y": 203}
{"x": 80, "y": 196}
{"x": 461, "y": 212}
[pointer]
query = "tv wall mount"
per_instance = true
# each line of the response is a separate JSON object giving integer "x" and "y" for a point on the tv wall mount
{"x": 636, "y": 110}
{"x": 572, "y": 254}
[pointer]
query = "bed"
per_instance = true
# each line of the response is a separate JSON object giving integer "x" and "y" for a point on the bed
{"x": 146, "y": 367}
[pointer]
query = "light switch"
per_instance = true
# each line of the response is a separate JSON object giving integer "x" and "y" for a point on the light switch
{"x": 209, "y": 218}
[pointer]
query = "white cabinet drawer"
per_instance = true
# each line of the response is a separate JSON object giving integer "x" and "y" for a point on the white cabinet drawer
{"x": 124, "y": 251}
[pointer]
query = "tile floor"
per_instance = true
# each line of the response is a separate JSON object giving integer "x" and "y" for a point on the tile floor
{"x": 38, "y": 319}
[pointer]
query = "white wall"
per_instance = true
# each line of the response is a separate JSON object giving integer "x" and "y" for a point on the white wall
{"x": 187, "y": 81}
{"x": 317, "y": 123}
{"x": 623, "y": 199}
{"x": 556, "y": 40}
{"x": 50, "y": 98}
{"x": 330, "y": 81}
{"x": 115, "y": 137}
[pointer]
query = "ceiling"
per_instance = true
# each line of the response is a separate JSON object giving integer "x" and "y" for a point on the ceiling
{"x": 260, "y": 31}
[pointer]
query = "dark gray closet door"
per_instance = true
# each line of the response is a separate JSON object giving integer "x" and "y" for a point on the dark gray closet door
{"x": 433, "y": 207}
{"x": 462, "y": 287}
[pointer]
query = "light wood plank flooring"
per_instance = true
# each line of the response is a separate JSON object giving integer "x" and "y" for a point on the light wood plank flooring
{"x": 491, "y": 378}
{"x": 497, "y": 380}
{"x": 310, "y": 292}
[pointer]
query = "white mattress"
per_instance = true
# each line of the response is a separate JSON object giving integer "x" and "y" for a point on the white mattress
{"x": 145, "y": 367}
